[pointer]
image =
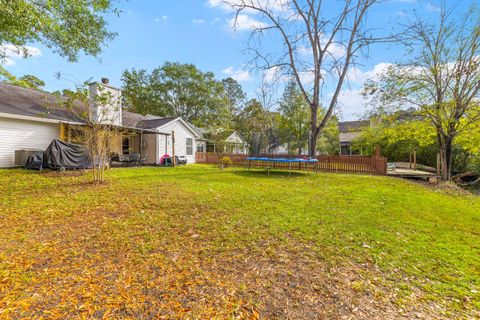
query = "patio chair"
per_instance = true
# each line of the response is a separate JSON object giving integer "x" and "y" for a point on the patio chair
{"x": 134, "y": 159}
{"x": 144, "y": 159}
{"x": 123, "y": 159}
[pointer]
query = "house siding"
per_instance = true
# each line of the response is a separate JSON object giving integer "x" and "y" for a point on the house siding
{"x": 181, "y": 135}
{"x": 18, "y": 134}
{"x": 151, "y": 148}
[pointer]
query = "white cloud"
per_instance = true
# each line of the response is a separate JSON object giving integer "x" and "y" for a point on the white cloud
{"x": 229, "y": 5}
{"x": 215, "y": 21}
{"x": 307, "y": 77}
{"x": 159, "y": 19}
{"x": 335, "y": 49}
{"x": 198, "y": 21}
{"x": 13, "y": 53}
{"x": 245, "y": 22}
{"x": 351, "y": 104}
{"x": 217, "y": 3}
{"x": 358, "y": 76}
{"x": 304, "y": 51}
{"x": 271, "y": 74}
{"x": 237, "y": 74}
{"x": 277, "y": 74}
{"x": 432, "y": 8}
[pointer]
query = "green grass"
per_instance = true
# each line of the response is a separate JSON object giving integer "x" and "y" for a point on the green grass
{"x": 419, "y": 243}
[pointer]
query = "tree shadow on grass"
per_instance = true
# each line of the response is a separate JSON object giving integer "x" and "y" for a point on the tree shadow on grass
{"x": 274, "y": 174}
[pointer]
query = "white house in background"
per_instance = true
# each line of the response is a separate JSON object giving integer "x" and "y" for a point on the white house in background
{"x": 234, "y": 143}
{"x": 31, "y": 119}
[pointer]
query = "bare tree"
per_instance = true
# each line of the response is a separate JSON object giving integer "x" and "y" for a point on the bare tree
{"x": 317, "y": 49}
{"x": 442, "y": 82}
{"x": 98, "y": 109}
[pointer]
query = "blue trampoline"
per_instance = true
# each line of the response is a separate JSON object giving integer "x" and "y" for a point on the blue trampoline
{"x": 251, "y": 160}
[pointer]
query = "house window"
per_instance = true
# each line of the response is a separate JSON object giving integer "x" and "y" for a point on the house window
{"x": 200, "y": 147}
{"x": 345, "y": 150}
{"x": 189, "y": 146}
{"x": 126, "y": 145}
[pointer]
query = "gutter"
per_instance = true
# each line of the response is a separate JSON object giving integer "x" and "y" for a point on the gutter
{"x": 149, "y": 131}
{"x": 29, "y": 118}
{"x": 55, "y": 121}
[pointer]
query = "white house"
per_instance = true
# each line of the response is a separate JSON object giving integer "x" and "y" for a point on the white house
{"x": 31, "y": 119}
{"x": 234, "y": 143}
{"x": 28, "y": 121}
{"x": 184, "y": 134}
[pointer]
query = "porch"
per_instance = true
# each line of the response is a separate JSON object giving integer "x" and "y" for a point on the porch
{"x": 129, "y": 146}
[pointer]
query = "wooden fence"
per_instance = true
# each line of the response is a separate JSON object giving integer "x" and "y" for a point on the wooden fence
{"x": 342, "y": 164}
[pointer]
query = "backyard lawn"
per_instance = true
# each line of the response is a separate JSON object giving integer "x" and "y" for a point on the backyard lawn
{"x": 197, "y": 242}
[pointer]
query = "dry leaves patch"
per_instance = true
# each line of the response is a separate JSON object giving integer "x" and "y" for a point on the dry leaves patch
{"x": 82, "y": 251}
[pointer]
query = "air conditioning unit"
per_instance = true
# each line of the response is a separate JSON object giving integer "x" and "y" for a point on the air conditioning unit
{"x": 22, "y": 155}
{"x": 180, "y": 159}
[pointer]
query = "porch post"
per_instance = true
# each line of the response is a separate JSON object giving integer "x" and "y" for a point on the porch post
{"x": 69, "y": 133}
{"x": 173, "y": 149}
{"x": 141, "y": 144}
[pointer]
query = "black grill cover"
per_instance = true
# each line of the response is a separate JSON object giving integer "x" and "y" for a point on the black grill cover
{"x": 35, "y": 162}
{"x": 63, "y": 155}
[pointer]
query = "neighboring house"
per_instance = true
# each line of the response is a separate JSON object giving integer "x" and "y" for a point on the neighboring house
{"x": 31, "y": 119}
{"x": 234, "y": 143}
{"x": 278, "y": 149}
{"x": 349, "y": 131}
{"x": 201, "y": 141}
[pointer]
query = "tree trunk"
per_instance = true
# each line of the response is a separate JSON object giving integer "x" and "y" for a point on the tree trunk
{"x": 313, "y": 133}
{"x": 446, "y": 157}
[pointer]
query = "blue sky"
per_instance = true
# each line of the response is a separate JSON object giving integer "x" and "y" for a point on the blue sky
{"x": 198, "y": 32}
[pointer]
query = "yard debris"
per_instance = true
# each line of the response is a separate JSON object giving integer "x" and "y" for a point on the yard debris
{"x": 69, "y": 251}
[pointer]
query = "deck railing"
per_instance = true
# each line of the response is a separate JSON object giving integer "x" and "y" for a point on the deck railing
{"x": 341, "y": 164}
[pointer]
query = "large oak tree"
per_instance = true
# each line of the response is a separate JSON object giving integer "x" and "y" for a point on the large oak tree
{"x": 176, "y": 89}
{"x": 67, "y": 27}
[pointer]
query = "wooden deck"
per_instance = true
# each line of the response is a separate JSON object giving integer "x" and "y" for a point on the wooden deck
{"x": 414, "y": 174}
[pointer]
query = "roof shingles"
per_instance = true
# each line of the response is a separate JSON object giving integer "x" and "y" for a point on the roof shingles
{"x": 33, "y": 103}
{"x": 27, "y": 102}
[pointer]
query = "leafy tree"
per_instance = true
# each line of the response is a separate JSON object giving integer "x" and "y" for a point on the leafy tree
{"x": 27, "y": 81}
{"x": 67, "y": 27}
{"x": 235, "y": 95}
{"x": 328, "y": 142}
{"x": 254, "y": 124}
{"x": 295, "y": 116}
{"x": 32, "y": 81}
{"x": 178, "y": 90}
{"x": 398, "y": 135}
{"x": 442, "y": 82}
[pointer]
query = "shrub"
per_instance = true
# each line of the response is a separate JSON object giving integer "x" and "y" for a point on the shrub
{"x": 225, "y": 162}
